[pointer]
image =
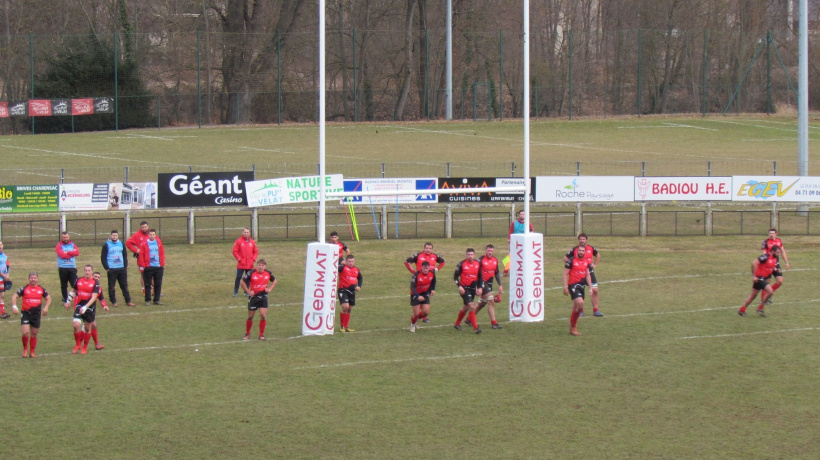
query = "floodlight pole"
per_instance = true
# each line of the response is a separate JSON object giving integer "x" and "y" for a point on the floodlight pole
{"x": 321, "y": 225}
{"x": 803, "y": 93}
{"x": 526, "y": 41}
{"x": 448, "y": 111}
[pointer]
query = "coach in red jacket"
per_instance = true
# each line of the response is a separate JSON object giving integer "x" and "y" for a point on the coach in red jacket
{"x": 152, "y": 257}
{"x": 245, "y": 252}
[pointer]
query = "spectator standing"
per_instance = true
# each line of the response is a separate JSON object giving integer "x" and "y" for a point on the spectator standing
{"x": 152, "y": 258}
{"x": 115, "y": 262}
{"x": 245, "y": 251}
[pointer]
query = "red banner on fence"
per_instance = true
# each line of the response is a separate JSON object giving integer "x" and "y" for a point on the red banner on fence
{"x": 82, "y": 106}
{"x": 4, "y": 109}
{"x": 39, "y": 108}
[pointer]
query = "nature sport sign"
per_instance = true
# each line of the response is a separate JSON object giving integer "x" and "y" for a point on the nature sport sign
{"x": 287, "y": 190}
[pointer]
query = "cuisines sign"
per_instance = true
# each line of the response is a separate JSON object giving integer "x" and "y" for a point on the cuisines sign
{"x": 187, "y": 190}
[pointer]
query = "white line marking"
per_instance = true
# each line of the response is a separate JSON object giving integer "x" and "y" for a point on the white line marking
{"x": 388, "y": 361}
{"x": 720, "y": 336}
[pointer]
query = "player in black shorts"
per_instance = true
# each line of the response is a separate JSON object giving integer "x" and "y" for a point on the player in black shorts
{"x": 32, "y": 295}
{"x": 257, "y": 284}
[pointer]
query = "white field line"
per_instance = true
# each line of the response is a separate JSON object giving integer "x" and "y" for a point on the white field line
{"x": 388, "y": 361}
{"x": 667, "y": 125}
{"x": 88, "y": 155}
{"x": 720, "y": 336}
{"x": 754, "y": 125}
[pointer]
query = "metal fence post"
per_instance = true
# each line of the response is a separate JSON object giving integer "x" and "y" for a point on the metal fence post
{"x": 255, "y": 222}
{"x": 191, "y": 229}
{"x": 708, "y": 218}
{"x": 579, "y": 222}
{"x": 643, "y": 203}
{"x": 448, "y": 222}
{"x": 774, "y": 203}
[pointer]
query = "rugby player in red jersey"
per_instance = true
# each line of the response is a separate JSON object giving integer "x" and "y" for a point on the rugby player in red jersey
{"x": 350, "y": 282}
{"x": 466, "y": 278}
{"x": 257, "y": 284}
{"x": 133, "y": 244}
{"x": 343, "y": 249}
{"x": 594, "y": 257}
{"x": 32, "y": 307}
{"x": 762, "y": 269}
{"x": 576, "y": 277}
{"x": 427, "y": 255}
{"x": 769, "y": 243}
{"x": 489, "y": 270}
{"x": 422, "y": 287}
{"x": 85, "y": 315}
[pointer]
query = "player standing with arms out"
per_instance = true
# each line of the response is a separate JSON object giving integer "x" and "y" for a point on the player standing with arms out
{"x": 5, "y": 281}
{"x": 350, "y": 282}
{"x": 115, "y": 263}
{"x": 32, "y": 307}
{"x": 489, "y": 270}
{"x": 427, "y": 255}
{"x": 85, "y": 312}
{"x": 576, "y": 277}
{"x": 343, "y": 249}
{"x": 245, "y": 252}
{"x": 771, "y": 242}
{"x": 152, "y": 257}
{"x": 466, "y": 278}
{"x": 422, "y": 287}
{"x": 594, "y": 257}
{"x": 257, "y": 284}
{"x": 133, "y": 244}
{"x": 67, "y": 252}
{"x": 762, "y": 269}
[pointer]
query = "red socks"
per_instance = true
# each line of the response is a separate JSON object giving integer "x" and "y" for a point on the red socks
{"x": 461, "y": 315}
{"x": 86, "y": 339}
{"x": 94, "y": 336}
{"x": 573, "y": 320}
{"x": 413, "y": 319}
{"x": 262, "y": 324}
{"x": 25, "y": 343}
{"x": 775, "y": 286}
{"x": 248, "y": 326}
{"x": 78, "y": 338}
{"x": 345, "y": 317}
{"x": 471, "y": 317}
{"x": 33, "y": 345}
{"x": 2, "y": 309}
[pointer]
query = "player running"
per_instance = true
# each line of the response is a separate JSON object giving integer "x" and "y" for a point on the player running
{"x": 769, "y": 243}
{"x": 466, "y": 278}
{"x": 350, "y": 282}
{"x": 422, "y": 287}
{"x": 427, "y": 255}
{"x": 85, "y": 314}
{"x": 594, "y": 258}
{"x": 257, "y": 284}
{"x": 489, "y": 270}
{"x": 762, "y": 269}
{"x": 32, "y": 308}
{"x": 576, "y": 277}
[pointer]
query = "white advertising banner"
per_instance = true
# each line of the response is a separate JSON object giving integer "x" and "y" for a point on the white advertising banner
{"x": 571, "y": 189}
{"x": 776, "y": 188}
{"x": 526, "y": 286}
{"x": 321, "y": 280}
{"x": 83, "y": 197}
{"x": 287, "y": 190}
{"x": 134, "y": 195}
{"x": 675, "y": 188}
{"x": 398, "y": 184}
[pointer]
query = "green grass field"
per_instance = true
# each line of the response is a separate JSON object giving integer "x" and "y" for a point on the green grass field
{"x": 671, "y": 371}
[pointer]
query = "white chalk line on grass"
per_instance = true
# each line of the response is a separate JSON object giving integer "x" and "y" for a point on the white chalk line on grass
{"x": 741, "y": 334}
{"x": 389, "y": 361}
{"x": 88, "y": 155}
